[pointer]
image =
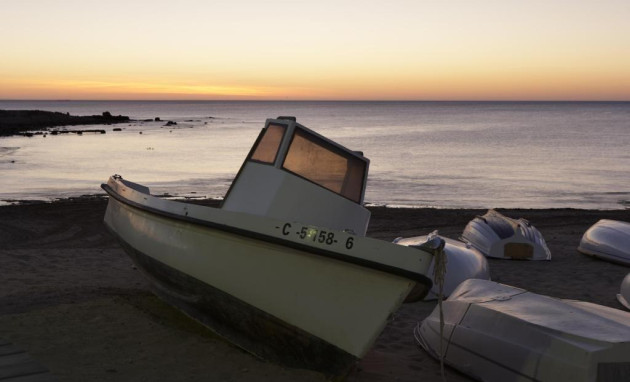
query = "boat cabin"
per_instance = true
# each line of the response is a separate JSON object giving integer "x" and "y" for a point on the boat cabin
{"x": 296, "y": 174}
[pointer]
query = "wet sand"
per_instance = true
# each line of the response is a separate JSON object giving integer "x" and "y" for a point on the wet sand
{"x": 71, "y": 297}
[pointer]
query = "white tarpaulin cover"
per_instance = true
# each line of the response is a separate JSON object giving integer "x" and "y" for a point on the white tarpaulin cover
{"x": 496, "y": 332}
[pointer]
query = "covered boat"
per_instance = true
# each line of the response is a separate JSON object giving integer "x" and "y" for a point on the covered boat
{"x": 283, "y": 269}
{"x": 624, "y": 293}
{"x": 495, "y": 332}
{"x": 462, "y": 262}
{"x": 499, "y": 236}
{"x": 609, "y": 240}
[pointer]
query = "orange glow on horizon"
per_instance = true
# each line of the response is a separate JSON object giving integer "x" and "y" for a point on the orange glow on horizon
{"x": 126, "y": 90}
{"x": 401, "y": 86}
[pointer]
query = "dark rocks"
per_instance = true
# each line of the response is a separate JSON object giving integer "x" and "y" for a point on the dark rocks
{"x": 16, "y": 121}
{"x": 78, "y": 132}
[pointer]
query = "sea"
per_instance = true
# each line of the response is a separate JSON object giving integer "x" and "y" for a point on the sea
{"x": 422, "y": 154}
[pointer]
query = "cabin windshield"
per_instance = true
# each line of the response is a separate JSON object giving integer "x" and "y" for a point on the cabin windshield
{"x": 326, "y": 165}
{"x": 267, "y": 148}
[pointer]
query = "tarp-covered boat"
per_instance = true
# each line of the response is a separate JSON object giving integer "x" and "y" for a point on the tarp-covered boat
{"x": 283, "y": 269}
{"x": 499, "y": 236}
{"x": 462, "y": 263}
{"x": 609, "y": 240}
{"x": 624, "y": 293}
{"x": 495, "y": 332}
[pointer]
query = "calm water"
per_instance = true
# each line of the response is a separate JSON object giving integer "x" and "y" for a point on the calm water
{"x": 441, "y": 154}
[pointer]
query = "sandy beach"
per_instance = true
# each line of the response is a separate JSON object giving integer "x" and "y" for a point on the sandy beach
{"x": 73, "y": 299}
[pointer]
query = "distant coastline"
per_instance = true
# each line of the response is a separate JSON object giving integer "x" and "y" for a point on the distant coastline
{"x": 17, "y": 121}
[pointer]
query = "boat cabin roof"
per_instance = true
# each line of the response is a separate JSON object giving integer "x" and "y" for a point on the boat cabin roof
{"x": 292, "y": 147}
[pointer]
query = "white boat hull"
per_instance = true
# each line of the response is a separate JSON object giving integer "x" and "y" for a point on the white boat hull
{"x": 304, "y": 302}
{"x": 495, "y": 332}
{"x": 462, "y": 263}
{"x": 501, "y": 237}
{"x": 608, "y": 240}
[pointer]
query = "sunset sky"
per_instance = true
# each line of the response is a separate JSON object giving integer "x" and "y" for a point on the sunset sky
{"x": 303, "y": 50}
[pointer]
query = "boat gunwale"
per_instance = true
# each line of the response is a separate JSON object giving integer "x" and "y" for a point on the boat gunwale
{"x": 400, "y": 272}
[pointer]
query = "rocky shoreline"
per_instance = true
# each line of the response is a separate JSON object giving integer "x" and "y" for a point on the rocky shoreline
{"x": 14, "y": 122}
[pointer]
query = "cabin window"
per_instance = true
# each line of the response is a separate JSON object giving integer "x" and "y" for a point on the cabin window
{"x": 267, "y": 147}
{"x": 320, "y": 162}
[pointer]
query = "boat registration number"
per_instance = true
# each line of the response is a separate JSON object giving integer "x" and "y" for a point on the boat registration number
{"x": 314, "y": 235}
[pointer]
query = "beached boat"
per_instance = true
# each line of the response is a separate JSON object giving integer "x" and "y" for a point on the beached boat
{"x": 495, "y": 332}
{"x": 499, "y": 236}
{"x": 283, "y": 269}
{"x": 609, "y": 240}
{"x": 462, "y": 262}
{"x": 624, "y": 293}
